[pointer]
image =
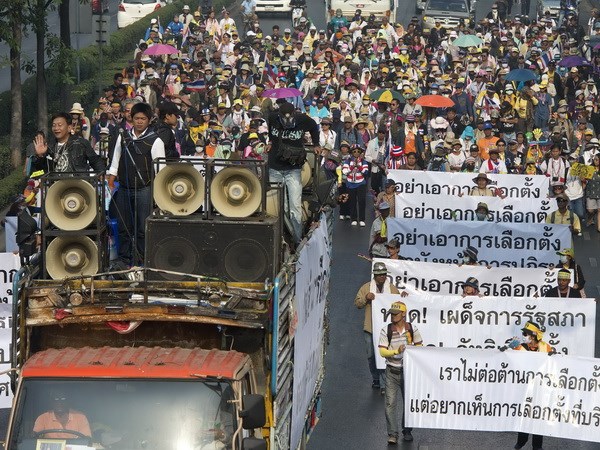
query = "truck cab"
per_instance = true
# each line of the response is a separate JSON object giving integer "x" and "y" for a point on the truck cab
{"x": 379, "y": 8}
{"x": 132, "y": 398}
{"x": 448, "y": 13}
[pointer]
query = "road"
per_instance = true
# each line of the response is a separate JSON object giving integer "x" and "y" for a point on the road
{"x": 30, "y": 47}
{"x": 353, "y": 413}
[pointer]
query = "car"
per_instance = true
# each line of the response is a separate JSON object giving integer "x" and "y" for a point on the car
{"x": 448, "y": 12}
{"x": 133, "y": 10}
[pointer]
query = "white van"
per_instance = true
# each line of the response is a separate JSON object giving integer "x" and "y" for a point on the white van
{"x": 378, "y": 7}
{"x": 273, "y": 6}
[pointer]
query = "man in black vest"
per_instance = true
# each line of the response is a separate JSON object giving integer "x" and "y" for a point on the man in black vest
{"x": 132, "y": 166}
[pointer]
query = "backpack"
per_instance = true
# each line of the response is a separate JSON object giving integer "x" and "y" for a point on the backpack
{"x": 409, "y": 330}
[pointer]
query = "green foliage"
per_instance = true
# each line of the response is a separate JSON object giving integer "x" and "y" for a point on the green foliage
{"x": 122, "y": 44}
{"x": 11, "y": 185}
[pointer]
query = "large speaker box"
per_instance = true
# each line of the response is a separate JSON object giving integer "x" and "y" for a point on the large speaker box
{"x": 245, "y": 251}
{"x": 74, "y": 236}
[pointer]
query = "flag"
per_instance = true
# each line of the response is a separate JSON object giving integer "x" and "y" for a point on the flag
{"x": 269, "y": 76}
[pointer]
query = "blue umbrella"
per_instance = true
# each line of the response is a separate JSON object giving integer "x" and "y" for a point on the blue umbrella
{"x": 573, "y": 61}
{"x": 520, "y": 75}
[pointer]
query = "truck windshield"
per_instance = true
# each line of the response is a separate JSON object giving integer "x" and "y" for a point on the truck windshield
{"x": 123, "y": 415}
{"x": 444, "y": 5}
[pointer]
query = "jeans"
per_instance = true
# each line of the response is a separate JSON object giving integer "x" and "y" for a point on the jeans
{"x": 292, "y": 179}
{"x": 358, "y": 202}
{"x": 536, "y": 440}
{"x": 376, "y": 374}
{"x": 133, "y": 207}
{"x": 578, "y": 208}
{"x": 394, "y": 382}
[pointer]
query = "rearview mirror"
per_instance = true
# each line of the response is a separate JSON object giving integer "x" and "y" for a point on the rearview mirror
{"x": 252, "y": 443}
{"x": 253, "y": 411}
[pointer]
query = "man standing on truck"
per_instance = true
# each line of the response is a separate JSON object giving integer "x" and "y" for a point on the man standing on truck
{"x": 365, "y": 295}
{"x": 62, "y": 417}
{"x": 287, "y": 155}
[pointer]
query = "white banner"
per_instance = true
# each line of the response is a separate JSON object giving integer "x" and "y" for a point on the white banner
{"x": 311, "y": 292}
{"x": 9, "y": 266}
{"x": 490, "y": 322}
{"x": 452, "y": 207}
{"x": 499, "y": 244}
{"x": 454, "y": 183}
{"x": 6, "y": 324}
{"x": 448, "y": 279}
{"x": 487, "y": 390}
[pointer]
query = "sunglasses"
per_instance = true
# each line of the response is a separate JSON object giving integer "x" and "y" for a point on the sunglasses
{"x": 356, "y": 151}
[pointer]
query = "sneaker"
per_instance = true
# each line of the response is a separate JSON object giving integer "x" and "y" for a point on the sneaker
{"x": 579, "y": 234}
{"x": 342, "y": 217}
{"x": 375, "y": 384}
{"x": 362, "y": 223}
{"x": 408, "y": 436}
{"x": 354, "y": 222}
{"x": 348, "y": 217}
{"x": 392, "y": 440}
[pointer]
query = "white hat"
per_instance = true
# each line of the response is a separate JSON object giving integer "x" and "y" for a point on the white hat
{"x": 76, "y": 109}
{"x": 186, "y": 7}
{"x": 287, "y": 30}
{"x": 104, "y": 130}
{"x": 439, "y": 122}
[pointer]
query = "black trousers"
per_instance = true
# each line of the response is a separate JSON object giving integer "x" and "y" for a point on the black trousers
{"x": 357, "y": 202}
{"x": 536, "y": 440}
{"x": 376, "y": 179}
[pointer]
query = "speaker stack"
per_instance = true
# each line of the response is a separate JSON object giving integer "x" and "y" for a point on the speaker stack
{"x": 215, "y": 218}
{"x": 74, "y": 234}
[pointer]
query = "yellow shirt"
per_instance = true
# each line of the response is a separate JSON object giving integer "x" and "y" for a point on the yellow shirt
{"x": 564, "y": 219}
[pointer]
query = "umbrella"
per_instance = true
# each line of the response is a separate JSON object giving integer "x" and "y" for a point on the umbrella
{"x": 573, "y": 61}
{"x": 520, "y": 75}
{"x": 160, "y": 49}
{"x": 435, "y": 101}
{"x": 282, "y": 93}
{"x": 386, "y": 95}
{"x": 467, "y": 40}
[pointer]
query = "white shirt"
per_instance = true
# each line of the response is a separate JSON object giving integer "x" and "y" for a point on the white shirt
{"x": 157, "y": 151}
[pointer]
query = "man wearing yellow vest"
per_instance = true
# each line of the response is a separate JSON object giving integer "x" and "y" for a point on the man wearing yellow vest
{"x": 532, "y": 342}
{"x": 393, "y": 340}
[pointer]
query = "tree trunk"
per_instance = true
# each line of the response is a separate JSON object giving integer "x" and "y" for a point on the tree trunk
{"x": 16, "y": 123}
{"x": 65, "y": 38}
{"x": 40, "y": 76}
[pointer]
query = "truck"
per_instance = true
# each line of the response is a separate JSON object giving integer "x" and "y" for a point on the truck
{"x": 449, "y": 13}
{"x": 379, "y": 8}
{"x": 146, "y": 363}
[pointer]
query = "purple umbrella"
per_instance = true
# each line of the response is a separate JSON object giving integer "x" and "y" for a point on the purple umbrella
{"x": 573, "y": 61}
{"x": 281, "y": 93}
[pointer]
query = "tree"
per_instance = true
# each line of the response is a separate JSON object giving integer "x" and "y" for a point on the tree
{"x": 11, "y": 32}
{"x": 64, "y": 52}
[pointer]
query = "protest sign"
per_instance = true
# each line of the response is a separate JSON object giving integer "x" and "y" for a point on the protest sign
{"x": 499, "y": 244}
{"x": 488, "y": 390}
{"x": 490, "y": 322}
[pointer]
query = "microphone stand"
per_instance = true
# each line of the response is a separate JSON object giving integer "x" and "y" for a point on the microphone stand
{"x": 127, "y": 142}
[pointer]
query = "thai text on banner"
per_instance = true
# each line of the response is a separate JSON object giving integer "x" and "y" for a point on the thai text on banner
{"x": 490, "y": 322}
{"x": 454, "y": 183}
{"x": 311, "y": 293}
{"x": 448, "y": 279}
{"x": 451, "y": 207}
{"x": 499, "y": 244}
{"x": 489, "y": 390}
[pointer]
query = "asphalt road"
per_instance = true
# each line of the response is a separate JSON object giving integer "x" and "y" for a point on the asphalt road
{"x": 29, "y": 44}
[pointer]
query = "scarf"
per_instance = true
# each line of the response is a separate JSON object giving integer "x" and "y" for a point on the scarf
{"x": 386, "y": 289}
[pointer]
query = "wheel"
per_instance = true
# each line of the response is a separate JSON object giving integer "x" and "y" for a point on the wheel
{"x": 75, "y": 433}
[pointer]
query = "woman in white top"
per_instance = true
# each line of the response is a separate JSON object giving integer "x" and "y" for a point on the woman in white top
{"x": 327, "y": 136}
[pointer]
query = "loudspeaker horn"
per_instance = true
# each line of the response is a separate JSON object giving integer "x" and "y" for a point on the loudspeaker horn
{"x": 68, "y": 256}
{"x": 236, "y": 192}
{"x": 179, "y": 189}
{"x": 71, "y": 204}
